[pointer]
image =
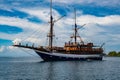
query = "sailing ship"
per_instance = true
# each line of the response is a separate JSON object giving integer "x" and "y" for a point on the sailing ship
{"x": 72, "y": 50}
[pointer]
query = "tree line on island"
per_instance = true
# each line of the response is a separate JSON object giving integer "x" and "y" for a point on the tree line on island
{"x": 114, "y": 53}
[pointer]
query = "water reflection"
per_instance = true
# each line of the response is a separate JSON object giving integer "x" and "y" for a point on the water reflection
{"x": 76, "y": 70}
{"x": 108, "y": 69}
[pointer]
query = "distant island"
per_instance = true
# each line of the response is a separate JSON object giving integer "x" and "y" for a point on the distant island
{"x": 114, "y": 53}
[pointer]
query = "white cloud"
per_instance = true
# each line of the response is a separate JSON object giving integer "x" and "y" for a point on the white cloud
{"x": 107, "y": 20}
{"x": 42, "y": 13}
{"x": 109, "y": 3}
{"x": 29, "y": 29}
{"x": 63, "y": 28}
{"x": 14, "y": 21}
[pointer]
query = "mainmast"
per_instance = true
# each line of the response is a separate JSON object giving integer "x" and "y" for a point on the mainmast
{"x": 51, "y": 35}
{"x": 75, "y": 28}
{"x": 51, "y": 28}
{"x": 76, "y": 31}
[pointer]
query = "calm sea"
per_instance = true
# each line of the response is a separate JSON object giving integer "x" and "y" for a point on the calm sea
{"x": 34, "y": 69}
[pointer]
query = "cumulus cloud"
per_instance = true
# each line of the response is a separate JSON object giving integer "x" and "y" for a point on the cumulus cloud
{"x": 24, "y": 3}
{"x": 88, "y": 2}
{"x": 30, "y": 29}
{"x": 97, "y": 29}
{"x": 14, "y": 21}
{"x": 93, "y": 31}
{"x": 42, "y": 13}
{"x": 32, "y": 32}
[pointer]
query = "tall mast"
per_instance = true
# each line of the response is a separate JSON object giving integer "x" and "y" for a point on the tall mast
{"x": 75, "y": 28}
{"x": 51, "y": 35}
{"x": 51, "y": 28}
{"x": 75, "y": 35}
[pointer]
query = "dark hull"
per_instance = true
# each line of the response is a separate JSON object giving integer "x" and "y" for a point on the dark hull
{"x": 48, "y": 57}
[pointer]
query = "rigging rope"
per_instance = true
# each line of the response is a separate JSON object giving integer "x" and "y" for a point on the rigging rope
{"x": 23, "y": 51}
{"x": 28, "y": 52}
{"x": 32, "y": 34}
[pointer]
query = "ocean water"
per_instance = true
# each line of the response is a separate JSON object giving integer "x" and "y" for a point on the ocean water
{"x": 35, "y": 69}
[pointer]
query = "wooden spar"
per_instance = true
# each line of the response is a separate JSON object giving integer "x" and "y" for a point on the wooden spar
{"x": 51, "y": 28}
{"x": 75, "y": 28}
{"x": 51, "y": 35}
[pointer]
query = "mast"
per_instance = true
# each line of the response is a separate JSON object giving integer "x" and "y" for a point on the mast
{"x": 51, "y": 35}
{"x": 75, "y": 28}
{"x": 51, "y": 28}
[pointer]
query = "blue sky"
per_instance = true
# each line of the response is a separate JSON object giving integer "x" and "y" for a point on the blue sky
{"x": 27, "y": 21}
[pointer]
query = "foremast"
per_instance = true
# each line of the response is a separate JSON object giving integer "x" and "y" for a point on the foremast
{"x": 50, "y": 35}
{"x": 75, "y": 28}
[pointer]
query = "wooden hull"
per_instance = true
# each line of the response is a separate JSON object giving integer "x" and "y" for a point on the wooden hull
{"x": 46, "y": 56}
